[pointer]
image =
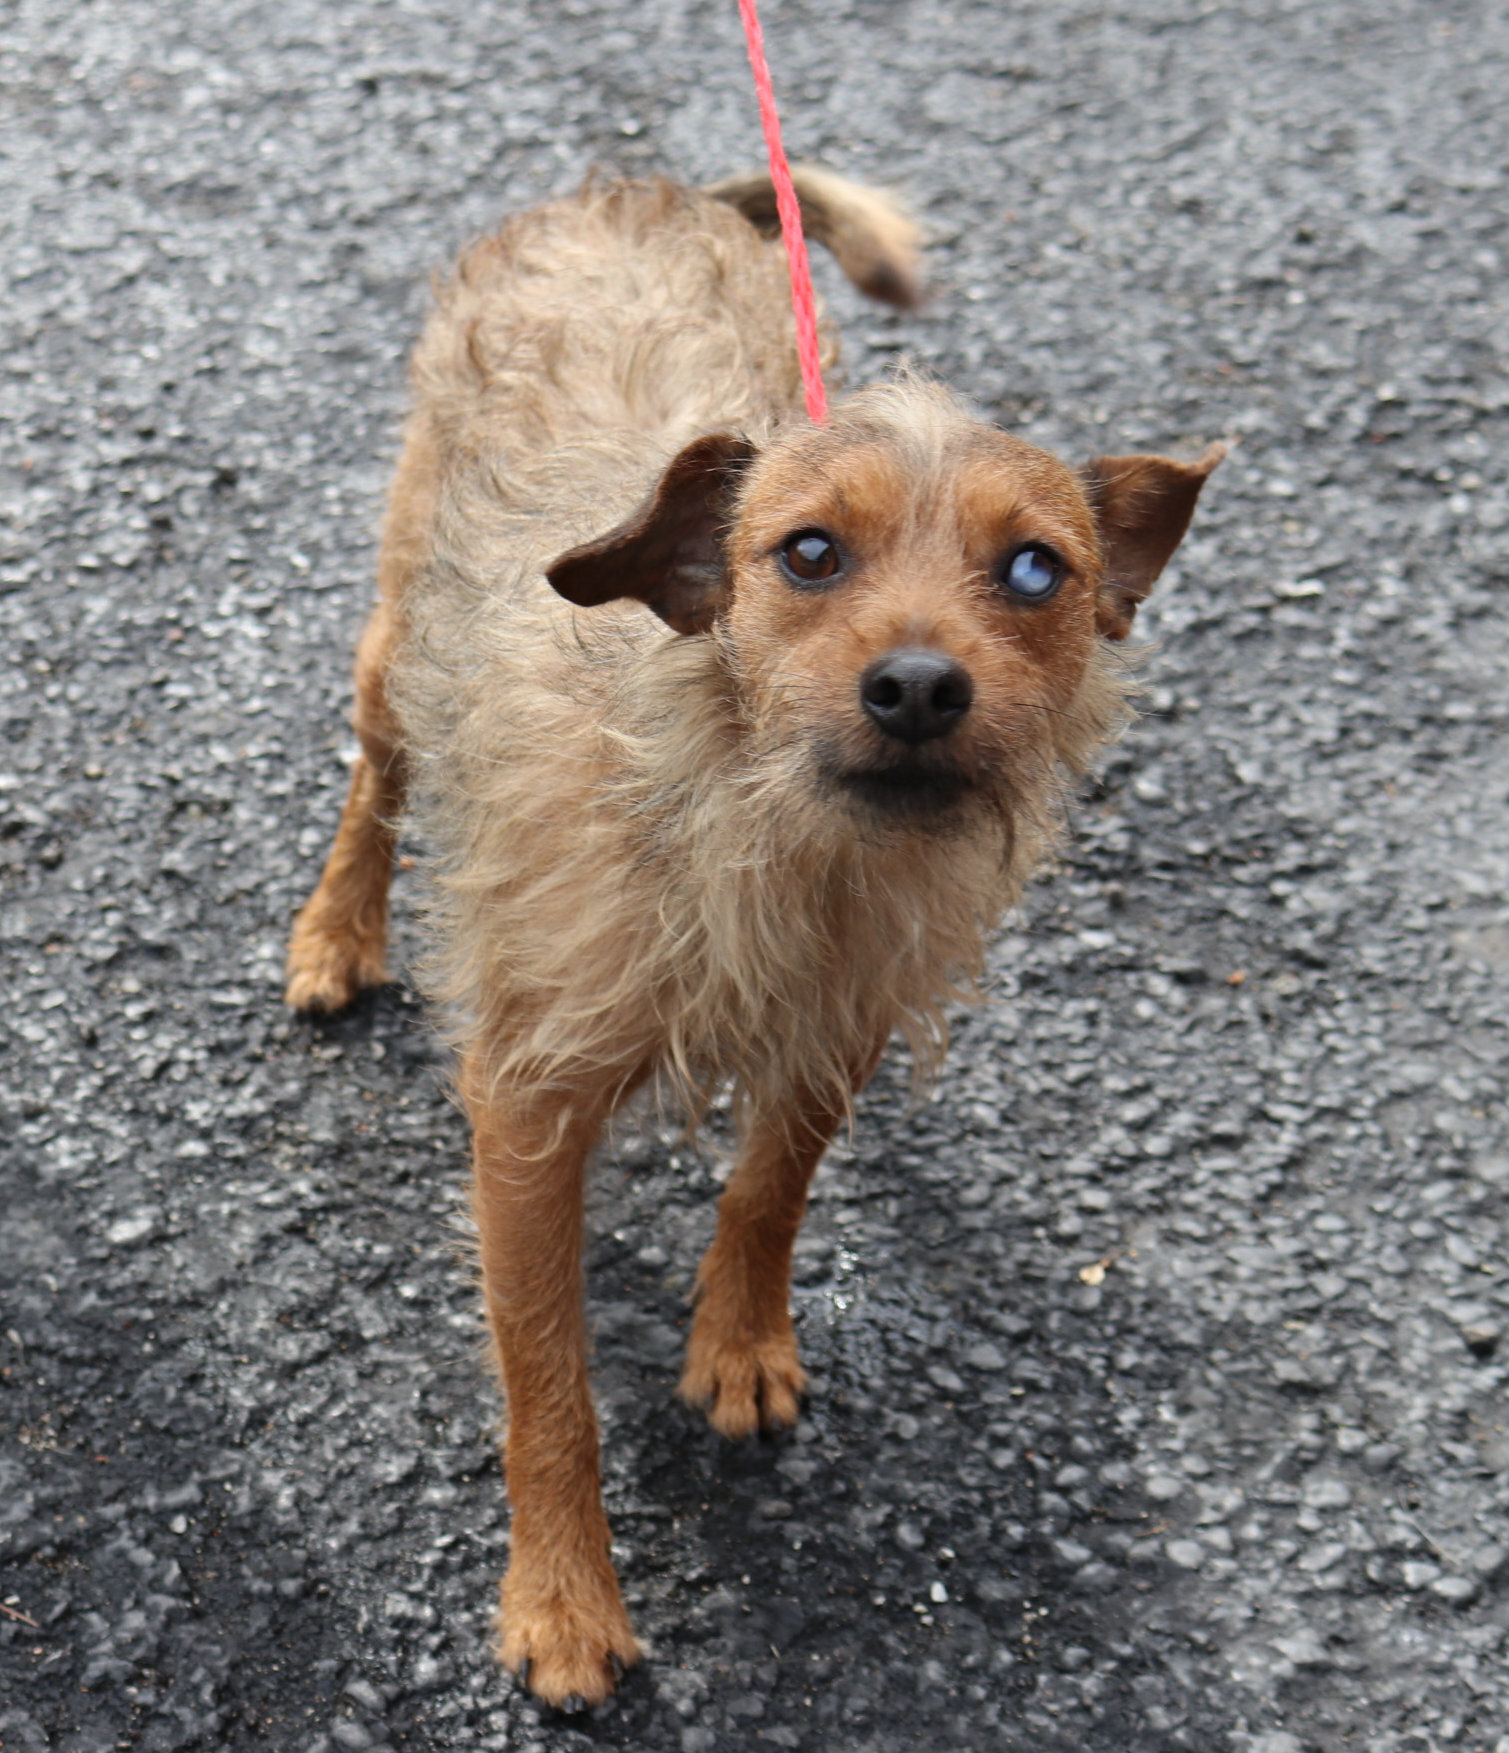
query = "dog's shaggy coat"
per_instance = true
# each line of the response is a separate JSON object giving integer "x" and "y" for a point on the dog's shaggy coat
{"x": 693, "y": 857}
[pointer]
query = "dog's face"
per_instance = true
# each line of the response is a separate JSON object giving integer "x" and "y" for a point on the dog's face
{"x": 911, "y": 600}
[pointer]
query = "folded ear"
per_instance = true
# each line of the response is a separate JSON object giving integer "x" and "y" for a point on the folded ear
{"x": 1143, "y": 505}
{"x": 668, "y": 554}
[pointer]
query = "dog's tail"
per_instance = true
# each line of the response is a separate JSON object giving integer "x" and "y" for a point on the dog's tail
{"x": 871, "y": 236}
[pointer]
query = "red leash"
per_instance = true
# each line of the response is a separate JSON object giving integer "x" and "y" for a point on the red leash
{"x": 803, "y": 302}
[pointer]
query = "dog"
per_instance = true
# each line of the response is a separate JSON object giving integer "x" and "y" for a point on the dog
{"x": 732, "y": 737}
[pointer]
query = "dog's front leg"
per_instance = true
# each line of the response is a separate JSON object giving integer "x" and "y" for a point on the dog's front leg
{"x": 563, "y": 1619}
{"x": 741, "y": 1358}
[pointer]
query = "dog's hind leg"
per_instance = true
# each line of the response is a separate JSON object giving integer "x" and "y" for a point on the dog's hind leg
{"x": 741, "y": 1358}
{"x": 340, "y": 939}
{"x": 563, "y": 1623}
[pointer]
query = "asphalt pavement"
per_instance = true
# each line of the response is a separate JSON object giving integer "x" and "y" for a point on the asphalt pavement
{"x": 1158, "y": 1359}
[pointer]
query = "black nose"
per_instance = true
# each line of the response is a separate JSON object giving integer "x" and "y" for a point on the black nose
{"x": 915, "y": 694}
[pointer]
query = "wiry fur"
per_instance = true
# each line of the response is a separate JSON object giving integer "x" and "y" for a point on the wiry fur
{"x": 631, "y": 871}
{"x": 697, "y": 855}
{"x": 633, "y": 314}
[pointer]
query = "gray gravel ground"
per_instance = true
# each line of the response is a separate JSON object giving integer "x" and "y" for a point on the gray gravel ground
{"x": 1158, "y": 1395}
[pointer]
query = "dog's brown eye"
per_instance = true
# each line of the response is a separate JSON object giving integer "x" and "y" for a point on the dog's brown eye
{"x": 810, "y": 557}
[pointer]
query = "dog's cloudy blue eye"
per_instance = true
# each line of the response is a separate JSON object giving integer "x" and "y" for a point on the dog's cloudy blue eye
{"x": 810, "y": 557}
{"x": 1032, "y": 573}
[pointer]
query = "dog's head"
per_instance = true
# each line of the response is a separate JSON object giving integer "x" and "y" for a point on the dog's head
{"x": 914, "y": 600}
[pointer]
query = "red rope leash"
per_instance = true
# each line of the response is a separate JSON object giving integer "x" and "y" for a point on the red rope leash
{"x": 803, "y": 303}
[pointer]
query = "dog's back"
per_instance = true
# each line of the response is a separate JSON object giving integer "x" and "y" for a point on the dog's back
{"x": 639, "y": 308}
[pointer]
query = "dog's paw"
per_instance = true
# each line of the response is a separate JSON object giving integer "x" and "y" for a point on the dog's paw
{"x": 568, "y": 1648}
{"x": 326, "y": 970}
{"x": 744, "y": 1385}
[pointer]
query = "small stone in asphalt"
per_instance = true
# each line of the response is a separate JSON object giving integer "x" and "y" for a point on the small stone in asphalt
{"x": 1456, "y": 1591}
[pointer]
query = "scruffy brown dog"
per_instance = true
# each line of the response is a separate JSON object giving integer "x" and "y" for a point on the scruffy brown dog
{"x": 748, "y": 849}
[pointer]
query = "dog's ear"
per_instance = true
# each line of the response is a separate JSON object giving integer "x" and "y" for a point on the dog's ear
{"x": 1142, "y": 505}
{"x": 668, "y": 553}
